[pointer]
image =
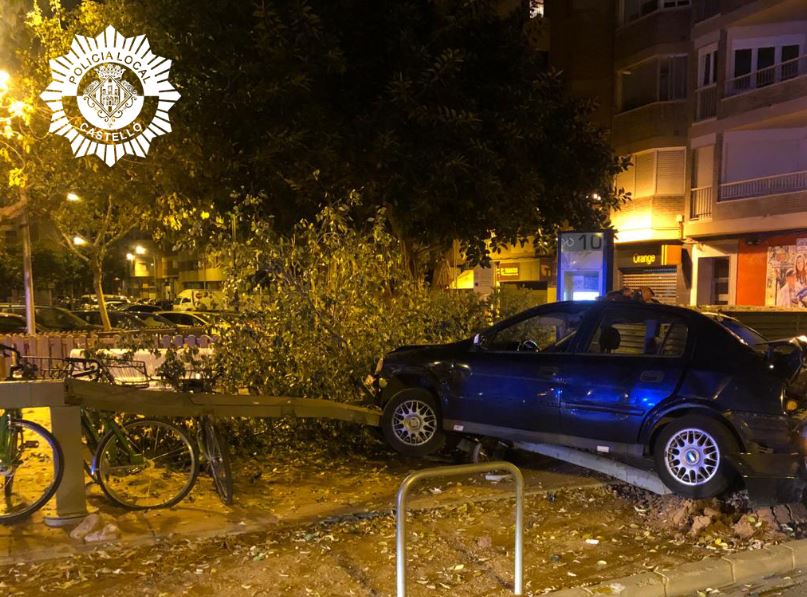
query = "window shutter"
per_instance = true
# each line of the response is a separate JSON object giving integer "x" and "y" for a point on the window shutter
{"x": 671, "y": 172}
{"x": 625, "y": 180}
{"x": 645, "y": 166}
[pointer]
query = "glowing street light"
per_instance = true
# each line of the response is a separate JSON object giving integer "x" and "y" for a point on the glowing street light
{"x": 130, "y": 257}
{"x": 140, "y": 250}
{"x": 73, "y": 197}
{"x": 79, "y": 241}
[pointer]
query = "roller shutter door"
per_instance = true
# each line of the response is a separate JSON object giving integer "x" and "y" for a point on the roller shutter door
{"x": 663, "y": 281}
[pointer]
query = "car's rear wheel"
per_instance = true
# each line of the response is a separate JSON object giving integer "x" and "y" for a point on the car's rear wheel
{"x": 690, "y": 455}
{"x": 412, "y": 424}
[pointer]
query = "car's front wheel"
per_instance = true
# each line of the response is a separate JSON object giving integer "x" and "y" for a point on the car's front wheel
{"x": 690, "y": 455}
{"x": 411, "y": 423}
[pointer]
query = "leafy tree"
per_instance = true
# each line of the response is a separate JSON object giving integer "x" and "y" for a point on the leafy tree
{"x": 440, "y": 112}
{"x": 334, "y": 298}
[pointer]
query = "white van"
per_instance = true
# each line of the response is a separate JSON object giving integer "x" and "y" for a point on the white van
{"x": 196, "y": 299}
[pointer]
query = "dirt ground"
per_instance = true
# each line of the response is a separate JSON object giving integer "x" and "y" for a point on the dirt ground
{"x": 330, "y": 530}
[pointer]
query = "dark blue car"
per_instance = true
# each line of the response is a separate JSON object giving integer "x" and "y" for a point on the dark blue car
{"x": 701, "y": 395}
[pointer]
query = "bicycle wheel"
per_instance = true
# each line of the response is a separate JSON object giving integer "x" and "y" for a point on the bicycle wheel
{"x": 146, "y": 464}
{"x": 218, "y": 460}
{"x": 33, "y": 473}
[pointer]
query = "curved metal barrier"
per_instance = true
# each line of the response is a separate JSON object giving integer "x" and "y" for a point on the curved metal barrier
{"x": 454, "y": 471}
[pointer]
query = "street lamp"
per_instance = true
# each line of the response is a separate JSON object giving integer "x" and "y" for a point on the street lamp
{"x": 130, "y": 257}
{"x": 140, "y": 250}
{"x": 79, "y": 241}
{"x": 73, "y": 197}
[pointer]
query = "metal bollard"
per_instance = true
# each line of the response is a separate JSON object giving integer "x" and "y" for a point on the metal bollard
{"x": 453, "y": 471}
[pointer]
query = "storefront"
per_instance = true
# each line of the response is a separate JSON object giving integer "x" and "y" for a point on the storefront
{"x": 772, "y": 271}
{"x": 657, "y": 265}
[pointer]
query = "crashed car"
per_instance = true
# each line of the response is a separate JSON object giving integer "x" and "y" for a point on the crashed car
{"x": 700, "y": 398}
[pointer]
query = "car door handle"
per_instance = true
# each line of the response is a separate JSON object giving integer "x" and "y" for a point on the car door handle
{"x": 651, "y": 376}
{"x": 548, "y": 372}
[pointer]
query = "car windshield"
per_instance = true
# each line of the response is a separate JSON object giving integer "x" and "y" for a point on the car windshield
{"x": 54, "y": 318}
{"x": 747, "y": 335}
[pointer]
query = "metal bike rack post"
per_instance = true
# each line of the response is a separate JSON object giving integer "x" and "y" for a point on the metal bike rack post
{"x": 453, "y": 471}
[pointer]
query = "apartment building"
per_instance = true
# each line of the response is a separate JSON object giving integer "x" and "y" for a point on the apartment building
{"x": 747, "y": 210}
{"x": 709, "y": 98}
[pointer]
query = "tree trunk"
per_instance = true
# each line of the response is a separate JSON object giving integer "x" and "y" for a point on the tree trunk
{"x": 98, "y": 279}
{"x": 27, "y": 274}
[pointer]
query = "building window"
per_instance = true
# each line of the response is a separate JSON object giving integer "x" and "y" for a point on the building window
{"x": 757, "y": 63}
{"x": 707, "y": 66}
{"x": 655, "y": 172}
{"x": 630, "y": 10}
{"x": 658, "y": 79}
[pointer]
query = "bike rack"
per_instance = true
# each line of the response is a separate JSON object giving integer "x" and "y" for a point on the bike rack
{"x": 454, "y": 471}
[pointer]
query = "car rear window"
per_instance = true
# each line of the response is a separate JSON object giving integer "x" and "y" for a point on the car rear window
{"x": 639, "y": 333}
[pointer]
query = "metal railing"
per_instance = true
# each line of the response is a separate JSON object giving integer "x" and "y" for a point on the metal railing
{"x": 766, "y": 185}
{"x": 790, "y": 69}
{"x": 706, "y": 102}
{"x": 453, "y": 471}
{"x": 701, "y": 203}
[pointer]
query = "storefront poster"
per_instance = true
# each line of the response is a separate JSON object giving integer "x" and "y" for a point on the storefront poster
{"x": 786, "y": 280}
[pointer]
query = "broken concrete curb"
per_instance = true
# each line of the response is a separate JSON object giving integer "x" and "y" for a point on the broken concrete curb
{"x": 709, "y": 573}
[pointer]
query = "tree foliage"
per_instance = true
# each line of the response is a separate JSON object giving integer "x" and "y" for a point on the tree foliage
{"x": 440, "y": 112}
{"x": 334, "y": 298}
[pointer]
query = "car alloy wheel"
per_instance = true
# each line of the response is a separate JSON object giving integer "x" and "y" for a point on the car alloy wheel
{"x": 692, "y": 456}
{"x": 414, "y": 422}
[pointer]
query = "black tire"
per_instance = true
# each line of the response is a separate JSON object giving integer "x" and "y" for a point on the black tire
{"x": 690, "y": 456}
{"x": 123, "y": 469}
{"x": 18, "y": 428}
{"x": 412, "y": 424}
{"x": 218, "y": 459}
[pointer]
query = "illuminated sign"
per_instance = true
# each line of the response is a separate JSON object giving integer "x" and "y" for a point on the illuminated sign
{"x": 511, "y": 271}
{"x": 584, "y": 264}
{"x": 644, "y": 259}
{"x": 110, "y": 96}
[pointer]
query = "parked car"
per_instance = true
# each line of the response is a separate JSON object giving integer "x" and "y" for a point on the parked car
{"x": 53, "y": 319}
{"x": 188, "y": 322}
{"x": 130, "y": 321}
{"x": 10, "y": 323}
{"x": 90, "y": 301}
{"x": 200, "y": 300}
{"x": 699, "y": 397}
{"x": 142, "y": 308}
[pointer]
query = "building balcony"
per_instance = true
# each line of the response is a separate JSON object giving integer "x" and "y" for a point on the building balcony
{"x": 657, "y": 124}
{"x": 778, "y": 184}
{"x": 778, "y": 73}
{"x": 701, "y": 203}
{"x": 706, "y": 102}
{"x": 667, "y": 28}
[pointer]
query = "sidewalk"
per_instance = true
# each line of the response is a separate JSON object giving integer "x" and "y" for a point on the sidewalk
{"x": 285, "y": 494}
{"x": 317, "y": 525}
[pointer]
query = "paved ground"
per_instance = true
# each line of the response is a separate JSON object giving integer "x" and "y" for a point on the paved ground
{"x": 311, "y": 522}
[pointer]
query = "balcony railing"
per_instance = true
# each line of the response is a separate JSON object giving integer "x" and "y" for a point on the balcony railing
{"x": 706, "y": 102}
{"x": 763, "y": 77}
{"x": 768, "y": 185}
{"x": 700, "y": 203}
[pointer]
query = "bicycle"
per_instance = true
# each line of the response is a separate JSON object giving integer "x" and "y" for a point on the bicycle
{"x": 139, "y": 463}
{"x": 208, "y": 439}
{"x": 28, "y": 452}
{"x": 209, "y": 447}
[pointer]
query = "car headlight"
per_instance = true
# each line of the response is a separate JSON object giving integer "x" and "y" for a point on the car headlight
{"x": 379, "y": 366}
